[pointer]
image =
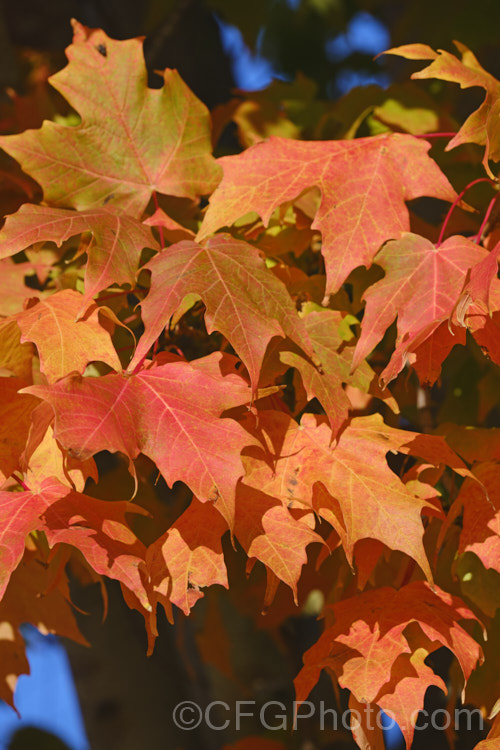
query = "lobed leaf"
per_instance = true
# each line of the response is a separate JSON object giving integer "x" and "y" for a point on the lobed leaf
{"x": 113, "y": 255}
{"x": 364, "y": 185}
{"x": 171, "y": 413}
{"x": 371, "y": 653}
{"x": 64, "y": 343}
{"x": 483, "y": 125}
{"x": 131, "y": 141}
{"x": 244, "y": 300}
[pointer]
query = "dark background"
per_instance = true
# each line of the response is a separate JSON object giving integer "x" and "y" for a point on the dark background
{"x": 292, "y": 34}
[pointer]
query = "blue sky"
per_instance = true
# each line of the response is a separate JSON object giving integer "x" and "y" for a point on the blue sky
{"x": 47, "y": 697}
{"x": 364, "y": 34}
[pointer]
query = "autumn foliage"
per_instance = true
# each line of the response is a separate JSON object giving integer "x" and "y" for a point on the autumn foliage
{"x": 291, "y": 353}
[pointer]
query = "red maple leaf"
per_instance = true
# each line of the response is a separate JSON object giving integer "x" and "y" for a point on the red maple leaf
{"x": 364, "y": 185}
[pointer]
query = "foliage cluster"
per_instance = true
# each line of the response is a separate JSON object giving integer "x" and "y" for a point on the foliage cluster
{"x": 310, "y": 360}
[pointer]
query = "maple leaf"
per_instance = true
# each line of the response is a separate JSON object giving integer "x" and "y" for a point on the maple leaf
{"x": 404, "y": 696}
{"x": 485, "y": 331}
{"x": 477, "y": 287}
{"x": 42, "y": 418}
{"x": 15, "y": 412}
{"x": 14, "y": 290}
{"x": 305, "y": 469}
{"x": 43, "y": 458}
{"x": 426, "y": 353}
{"x": 131, "y": 141}
{"x": 169, "y": 412}
{"x": 432, "y": 449}
{"x": 364, "y": 185}
{"x": 188, "y": 557}
{"x": 481, "y": 312}
{"x": 32, "y": 597}
{"x": 171, "y": 229}
{"x": 95, "y": 527}
{"x": 324, "y": 383}
{"x": 269, "y": 532}
{"x": 331, "y": 336}
{"x": 254, "y": 470}
{"x": 326, "y": 386}
{"x": 421, "y": 285}
{"x": 372, "y": 654}
{"x": 492, "y": 741}
{"x": 15, "y": 358}
{"x": 113, "y": 254}
{"x": 472, "y": 443}
{"x": 366, "y": 734}
{"x": 244, "y": 300}
{"x": 64, "y": 343}
{"x": 483, "y": 125}
{"x": 481, "y": 515}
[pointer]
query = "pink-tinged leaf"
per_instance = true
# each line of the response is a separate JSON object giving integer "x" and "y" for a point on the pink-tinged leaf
{"x": 20, "y": 515}
{"x": 64, "y": 343}
{"x": 364, "y": 645}
{"x": 14, "y": 290}
{"x": 404, "y": 351}
{"x": 304, "y": 469}
{"x": 95, "y": 527}
{"x": 244, "y": 300}
{"x": 475, "y": 310}
{"x": 188, "y": 557}
{"x": 171, "y": 229}
{"x": 404, "y": 697}
{"x": 486, "y": 332}
{"x": 269, "y": 532}
{"x": 477, "y": 287}
{"x": 132, "y": 140}
{"x": 42, "y": 417}
{"x": 483, "y": 125}
{"x": 420, "y": 287}
{"x": 98, "y": 528}
{"x": 182, "y": 400}
{"x": 364, "y": 184}
{"x": 113, "y": 255}
{"x": 484, "y": 326}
